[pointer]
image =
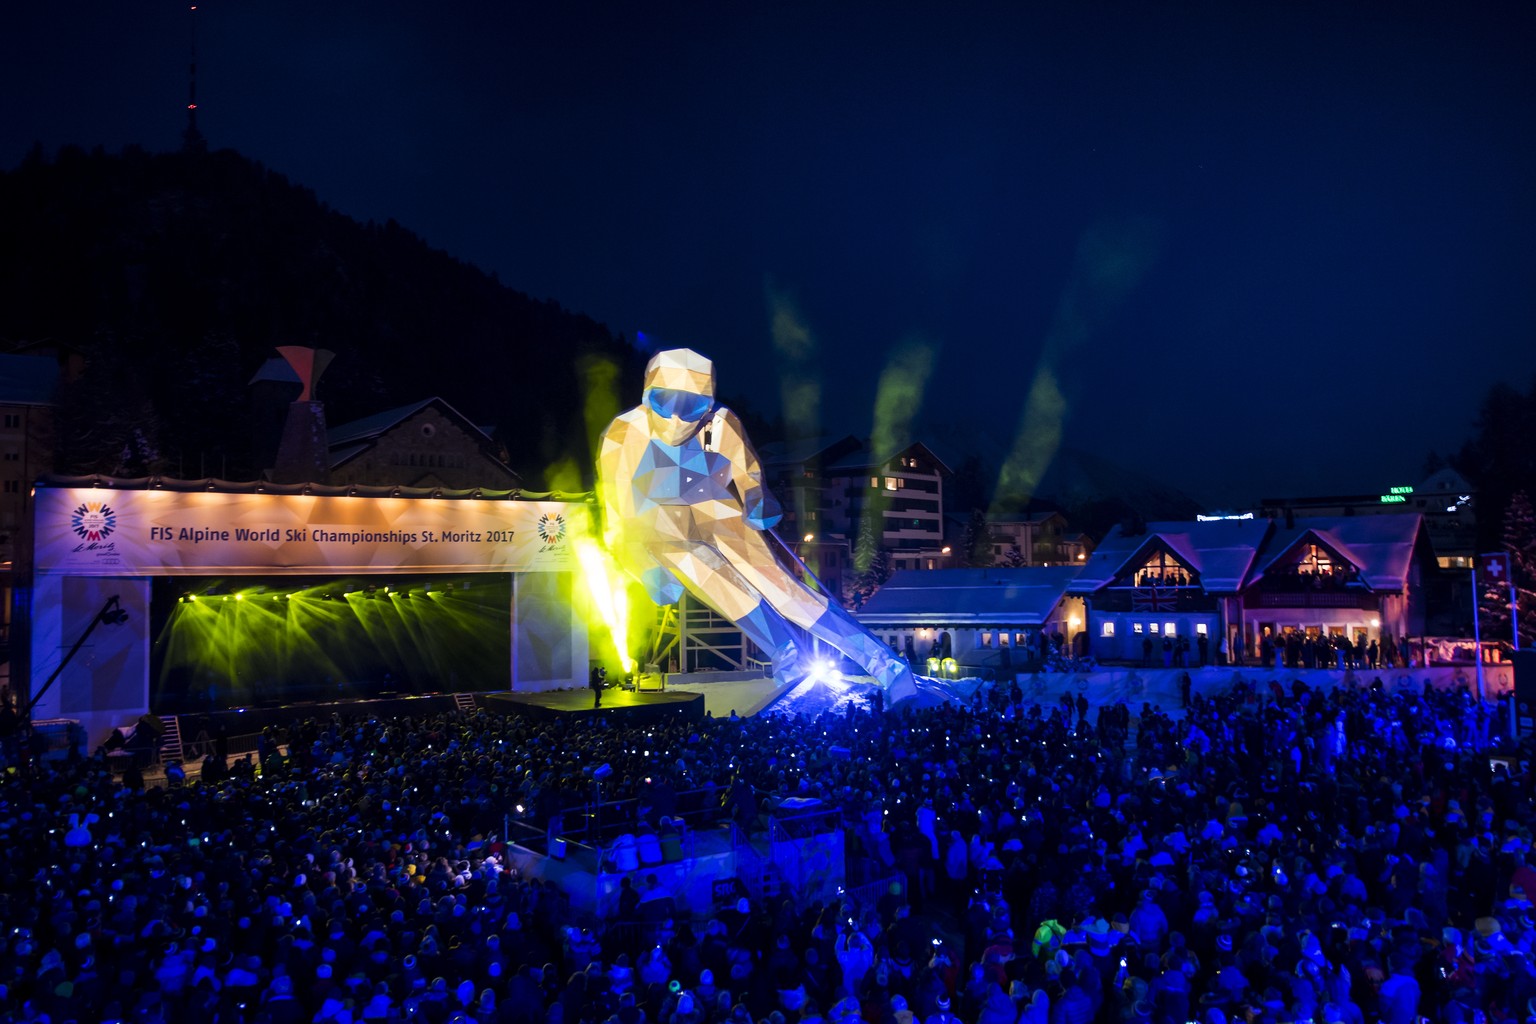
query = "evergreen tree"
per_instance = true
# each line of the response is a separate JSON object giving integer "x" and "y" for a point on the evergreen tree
{"x": 105, "y": 421}
{"x": 1014, "y": 559}
{"x": 865, "y": 546}
{"x": 866, "y": 583}
{"x": 1494, "y": 604}
{"x": 1498, "y": 459}
{"x": 978, "y": 541}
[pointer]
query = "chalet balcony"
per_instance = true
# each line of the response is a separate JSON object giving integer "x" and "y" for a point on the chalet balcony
{"x": 1311, "y": 599}
{"x": 1309, "y": 581}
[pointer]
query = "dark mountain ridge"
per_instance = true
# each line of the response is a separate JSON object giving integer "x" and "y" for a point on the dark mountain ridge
{"x": 177, "y": 275}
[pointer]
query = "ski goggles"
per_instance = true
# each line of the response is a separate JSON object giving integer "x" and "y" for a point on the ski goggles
{"x": 684, "y": 405}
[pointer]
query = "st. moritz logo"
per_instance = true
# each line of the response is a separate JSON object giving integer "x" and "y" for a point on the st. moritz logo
{"x": 551, "y": 528}
{"x": 93, "y": 520}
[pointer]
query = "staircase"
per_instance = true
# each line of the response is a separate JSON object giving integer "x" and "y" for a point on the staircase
{"x": 171, "y": 748}
{"x": 465, "y": 702}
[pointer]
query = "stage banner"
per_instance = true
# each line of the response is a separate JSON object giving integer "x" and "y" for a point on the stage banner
{"x": 105, "y": 532}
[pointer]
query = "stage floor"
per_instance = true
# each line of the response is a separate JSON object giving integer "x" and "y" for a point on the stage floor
{"x": 627, "y": 705}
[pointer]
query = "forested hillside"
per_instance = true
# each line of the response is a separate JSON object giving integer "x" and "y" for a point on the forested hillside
{"x": 177, "y": 274}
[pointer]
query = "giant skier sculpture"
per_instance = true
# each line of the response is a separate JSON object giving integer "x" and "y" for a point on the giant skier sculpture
{"x": 685, "y": 507}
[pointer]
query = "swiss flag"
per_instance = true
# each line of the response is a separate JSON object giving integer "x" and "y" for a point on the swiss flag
{"x": 1493, "y": 569}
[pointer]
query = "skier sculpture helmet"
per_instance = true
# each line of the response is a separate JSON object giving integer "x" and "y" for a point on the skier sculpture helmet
{"x": 679, "y": 394}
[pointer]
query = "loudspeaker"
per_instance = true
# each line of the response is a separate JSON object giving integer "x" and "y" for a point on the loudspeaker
{"x": 152, "y": 723}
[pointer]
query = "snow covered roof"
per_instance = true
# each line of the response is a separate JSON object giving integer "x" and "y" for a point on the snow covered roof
{"x": 976, "y": 597}
{"x": 866, "y": 459}
{"x": 1444, "y": 481}
{"x": 370, "y": 427}
{"x": 349, "y": 440}
{"x": 1220, "y": 551}
{"x": 1379, "y": 546}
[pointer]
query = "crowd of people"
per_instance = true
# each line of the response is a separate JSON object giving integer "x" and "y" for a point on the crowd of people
{"x": 1280, "y": 854}
{"x": 1296, "y": 649}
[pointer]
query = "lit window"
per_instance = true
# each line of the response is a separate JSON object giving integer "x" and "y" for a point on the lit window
{"x": 1002, "y": 639}
{"x": 1315, "y": 561}
{"x": 1200, "y": 628}
{"x": 1152, "y": 627}
{"x": 1162, "y": 570}
{"x": 1107, "y": 629}
{"x": 1169, "y": 629}
{"x": 1135, "y": 627}
{"x": 986, "y": 639}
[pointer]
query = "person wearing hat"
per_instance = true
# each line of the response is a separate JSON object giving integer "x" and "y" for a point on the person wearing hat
{"x": 1101, "y": 945}
{"x": 688, "y": 1010}
{"x": 708, "y": 993}
{"x": 941, "y": 1014}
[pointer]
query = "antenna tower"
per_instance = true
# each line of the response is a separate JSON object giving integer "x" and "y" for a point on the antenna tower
{"x": 192, "y": 139}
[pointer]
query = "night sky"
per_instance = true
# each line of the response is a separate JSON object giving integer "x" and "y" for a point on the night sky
{"x": 1258, "y": 248}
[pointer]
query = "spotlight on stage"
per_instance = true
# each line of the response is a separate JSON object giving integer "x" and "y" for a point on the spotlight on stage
{"x": 823, "y": 671}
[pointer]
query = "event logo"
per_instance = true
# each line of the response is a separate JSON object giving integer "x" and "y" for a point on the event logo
{"x": 551, "y": 529}
{"x": 93, "y": 520}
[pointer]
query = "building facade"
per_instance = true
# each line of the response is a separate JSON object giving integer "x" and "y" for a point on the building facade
{"x": 814, "y": 522}
{"x": 27, "y": 386}
{"x": 1040, "y": 538}
{"x": 831, "y": 488}
{"x": 1241, "y": 588}
{"x": 426, "y": 444}
{"x": 1446, "y": 501}
{"x": 902, "y": 492}
{"x": 986, "y": 620}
